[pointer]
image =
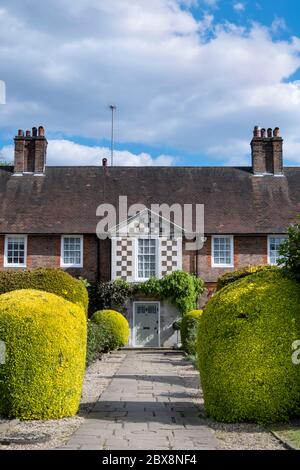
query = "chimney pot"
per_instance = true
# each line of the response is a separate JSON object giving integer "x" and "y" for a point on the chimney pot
{"x": 266, "y": 153}
{"x": 34, "y": 132}
{"x": 104, "y": 161}
{"x": 41, "y": 131}
{"x": 256, "y": 131}
{"x": 28, "y": 134}
{"x": 20, "y": 133}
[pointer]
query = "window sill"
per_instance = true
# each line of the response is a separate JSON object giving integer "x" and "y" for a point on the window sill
{"x": 14, "y": 266}
{"x": 78, "y": 266}
{"x": 222, "y": 266}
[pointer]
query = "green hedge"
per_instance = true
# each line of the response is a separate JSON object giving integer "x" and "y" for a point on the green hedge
{"x": 188, "y": 330}
{"x": 45, "y": 338}
{"x": 50, "y": 280}
{"x": 245, "y": 346}
{"x": 115, "y": 326}
{"x": 97, "y": 342}
{"x": 233, "y": 276}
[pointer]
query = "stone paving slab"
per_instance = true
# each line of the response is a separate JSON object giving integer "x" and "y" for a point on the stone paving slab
{"x": 147, "y": 405}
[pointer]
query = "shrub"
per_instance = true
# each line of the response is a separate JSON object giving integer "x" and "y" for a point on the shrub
{"x": 115, "y": 326}
{"x": 97, "y": 342}
{"x": 290, "y": 251}
{"x": 109, "y": 295}
{"x": 50, "y": 280}
{"x": 244, "y": 347}
{"x": 188, "y": 331}
{"x": 45, "y": 339}
{"x": 233, "y": 276}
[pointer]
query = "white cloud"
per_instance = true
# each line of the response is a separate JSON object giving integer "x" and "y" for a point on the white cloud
{"x": 278, "y": 24}
{"x": 65, "y": 152}
{"x": 192, "y": 85}
{"x": 239, "y": 6}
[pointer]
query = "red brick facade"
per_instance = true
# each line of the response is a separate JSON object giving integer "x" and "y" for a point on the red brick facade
{"x": 44, "y": 251}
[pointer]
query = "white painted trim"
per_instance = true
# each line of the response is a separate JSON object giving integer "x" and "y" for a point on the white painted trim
{"x": 179, "y": 253}
{"x": 135, "y": 216}
{"x": 113, "y": 268}
{"x": 67, "y": 265}
{"x": 13, "y": 265}
{"x": 213, "y": 264}
{"x": 136, "y": 253}
{"x": 268, "y": 248}
{"x": 134, "y": 324}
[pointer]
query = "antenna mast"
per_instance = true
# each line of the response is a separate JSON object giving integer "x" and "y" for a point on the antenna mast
{"x": 113, "y": 109}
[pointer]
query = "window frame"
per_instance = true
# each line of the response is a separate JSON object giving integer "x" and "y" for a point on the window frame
{"x": 269, "y": 248}
{"x": 136, "y": 258}
{"x": 222, "y": 265}
{"x": 71, "y": 265}
{"x": 5, "y": 261}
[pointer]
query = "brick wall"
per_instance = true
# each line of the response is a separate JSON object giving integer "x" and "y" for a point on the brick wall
{"x": 248, "y": 250}
{"x": 44, "y": 251}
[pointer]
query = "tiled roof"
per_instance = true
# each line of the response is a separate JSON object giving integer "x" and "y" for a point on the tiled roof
{"x": 66, "y": 198}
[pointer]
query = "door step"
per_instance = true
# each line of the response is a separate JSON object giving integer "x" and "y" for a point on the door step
{"x": 162, "y": 349}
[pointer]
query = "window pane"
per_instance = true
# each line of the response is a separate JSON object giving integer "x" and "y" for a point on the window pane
{"x": 222, "y": 251}
{"x": 72, "y": 250}
{"x": 146, "y": 258}
{"x": 274, "y": 245}
{"x": 15, "y": 250}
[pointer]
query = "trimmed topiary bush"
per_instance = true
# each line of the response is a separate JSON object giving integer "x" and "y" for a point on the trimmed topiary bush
{"x": 50, "y": 280}
{"x": 188, "y": 330}
{"x": 115, "y": 326}
{"x": 233, "y": 276}
{"x": 45, "y": 338}
{"x": 97, "y": 342}
{"x": 245, "y": 350}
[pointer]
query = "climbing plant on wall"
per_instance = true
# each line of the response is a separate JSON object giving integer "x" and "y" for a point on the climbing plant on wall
{"x": 180, "y": 288}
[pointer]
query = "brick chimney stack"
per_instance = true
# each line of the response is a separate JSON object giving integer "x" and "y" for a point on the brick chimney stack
{"x": 266, "y": 147}
{"x": 30, "y": 152}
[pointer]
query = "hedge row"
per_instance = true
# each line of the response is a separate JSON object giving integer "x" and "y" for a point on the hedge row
{"x": 45, "y": 338}
{"x": 188, "y": 330}
{"x": 245, "y": 350}
{"x": 233, "y": 276}
{"x": 50, "y": 280}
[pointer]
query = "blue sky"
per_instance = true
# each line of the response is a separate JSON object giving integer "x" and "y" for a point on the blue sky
{"x": 190, "y": 78}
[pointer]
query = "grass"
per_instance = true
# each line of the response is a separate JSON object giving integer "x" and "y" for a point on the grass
{"x": 193, "y": 359}
{"x": 289, "y": 433}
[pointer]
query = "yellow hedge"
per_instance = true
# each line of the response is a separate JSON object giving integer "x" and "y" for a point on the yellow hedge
{"x": 115, "y": 326}
{"x": 45, "y": 337}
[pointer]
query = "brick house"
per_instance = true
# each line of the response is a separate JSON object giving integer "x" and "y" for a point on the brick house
{"x": 48, "y": 218}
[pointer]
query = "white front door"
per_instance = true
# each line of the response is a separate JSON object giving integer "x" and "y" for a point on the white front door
{"x": 146, "y": 324}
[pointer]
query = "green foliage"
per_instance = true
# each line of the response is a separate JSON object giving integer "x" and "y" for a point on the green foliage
{"x": 290, "y": 251}
{"x": 180, "y": 288}
{"x": 50, "y": 280}
{"x": 109, "y": 295}
{"x": 245, "y": 346}
{"x": 233, "y": 276}
{"x": 176, "y": 325}
{"x": 97, "y": 342}
{"x": 188, "y": 330}
{"x": 115, "y": 327}
{"x": 45, "y": 339}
